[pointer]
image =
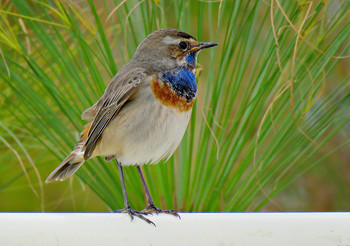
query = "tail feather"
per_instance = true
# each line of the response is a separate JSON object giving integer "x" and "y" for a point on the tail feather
{"x": 72, "y": 162}
{"x": 66, "y": 169}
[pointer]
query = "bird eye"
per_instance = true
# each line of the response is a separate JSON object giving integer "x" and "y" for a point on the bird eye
{"x": 183, "y": 45}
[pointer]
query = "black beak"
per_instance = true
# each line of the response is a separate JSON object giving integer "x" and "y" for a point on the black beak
{"x": 204, "y": 45}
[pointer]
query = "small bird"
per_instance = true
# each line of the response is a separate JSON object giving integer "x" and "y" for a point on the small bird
{"x": 143, "y": 113}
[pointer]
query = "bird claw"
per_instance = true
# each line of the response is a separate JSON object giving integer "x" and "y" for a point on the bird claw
{"x": 133, "y": 212}
{"x": 151, "y": 208}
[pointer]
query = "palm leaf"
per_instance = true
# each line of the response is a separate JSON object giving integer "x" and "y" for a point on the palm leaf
{"x": 268, "y": 100}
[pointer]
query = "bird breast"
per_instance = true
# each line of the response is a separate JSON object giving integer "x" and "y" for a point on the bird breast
{"x": 147, "y": 129}
{"x": 175, "y": 88}
{"x": 168, "y": 97}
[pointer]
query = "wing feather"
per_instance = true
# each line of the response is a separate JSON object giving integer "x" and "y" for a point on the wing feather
{"x": 119, "y": 90}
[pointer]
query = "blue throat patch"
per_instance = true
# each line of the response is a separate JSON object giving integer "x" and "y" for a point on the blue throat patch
{"x": 182, "y": 82}
{"x": 191, "y": 59}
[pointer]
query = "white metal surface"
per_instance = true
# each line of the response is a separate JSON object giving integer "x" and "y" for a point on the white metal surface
{"x": 212, "y": 229}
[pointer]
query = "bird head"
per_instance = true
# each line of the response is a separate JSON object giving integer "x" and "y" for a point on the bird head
{"x": 166, "y": 49}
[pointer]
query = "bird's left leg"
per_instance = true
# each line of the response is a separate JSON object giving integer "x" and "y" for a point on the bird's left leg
{"x": 151, "y": 208}
{"x": 128, "y": 208}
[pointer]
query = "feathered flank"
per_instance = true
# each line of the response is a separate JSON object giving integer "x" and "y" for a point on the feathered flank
{"x": 117, "y": 93}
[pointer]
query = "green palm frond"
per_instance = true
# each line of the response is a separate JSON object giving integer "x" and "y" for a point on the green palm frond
{"x": 268, "y": 98}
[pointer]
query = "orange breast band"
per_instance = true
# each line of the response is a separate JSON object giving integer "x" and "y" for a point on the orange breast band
{"x": 168, "y": 97}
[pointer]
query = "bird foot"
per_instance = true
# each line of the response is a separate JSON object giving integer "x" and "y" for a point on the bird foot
{"x": 133, "y": 212}
{"x": 151, "y": 208}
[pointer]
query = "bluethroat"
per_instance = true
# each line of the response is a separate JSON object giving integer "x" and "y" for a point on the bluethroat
{"x": 143, "y": 113}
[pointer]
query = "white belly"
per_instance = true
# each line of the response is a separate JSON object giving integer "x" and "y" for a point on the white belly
{"x": 145, "y": 131}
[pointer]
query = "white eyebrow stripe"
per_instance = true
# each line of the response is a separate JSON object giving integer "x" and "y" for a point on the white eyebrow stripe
{"x": 169, "y": 40}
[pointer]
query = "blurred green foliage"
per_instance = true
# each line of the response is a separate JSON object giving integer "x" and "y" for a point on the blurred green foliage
{"x": 273, "y": 100}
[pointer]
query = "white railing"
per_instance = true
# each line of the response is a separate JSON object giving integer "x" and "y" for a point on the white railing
{"x": 212, "y": 229}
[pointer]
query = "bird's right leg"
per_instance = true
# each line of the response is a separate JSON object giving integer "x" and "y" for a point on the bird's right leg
{"x": 151, "y": 207}
{"x": 128, "y": 208}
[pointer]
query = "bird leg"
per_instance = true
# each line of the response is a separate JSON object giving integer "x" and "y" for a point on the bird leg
{"x": 151, "y": 208}
{"x": 128, "y": 209}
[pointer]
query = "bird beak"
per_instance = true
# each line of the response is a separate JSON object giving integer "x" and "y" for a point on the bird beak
{"x": 203, "y": 45}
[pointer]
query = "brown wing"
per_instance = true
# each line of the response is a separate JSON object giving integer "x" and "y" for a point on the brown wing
{"x": 117, "y": 93}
